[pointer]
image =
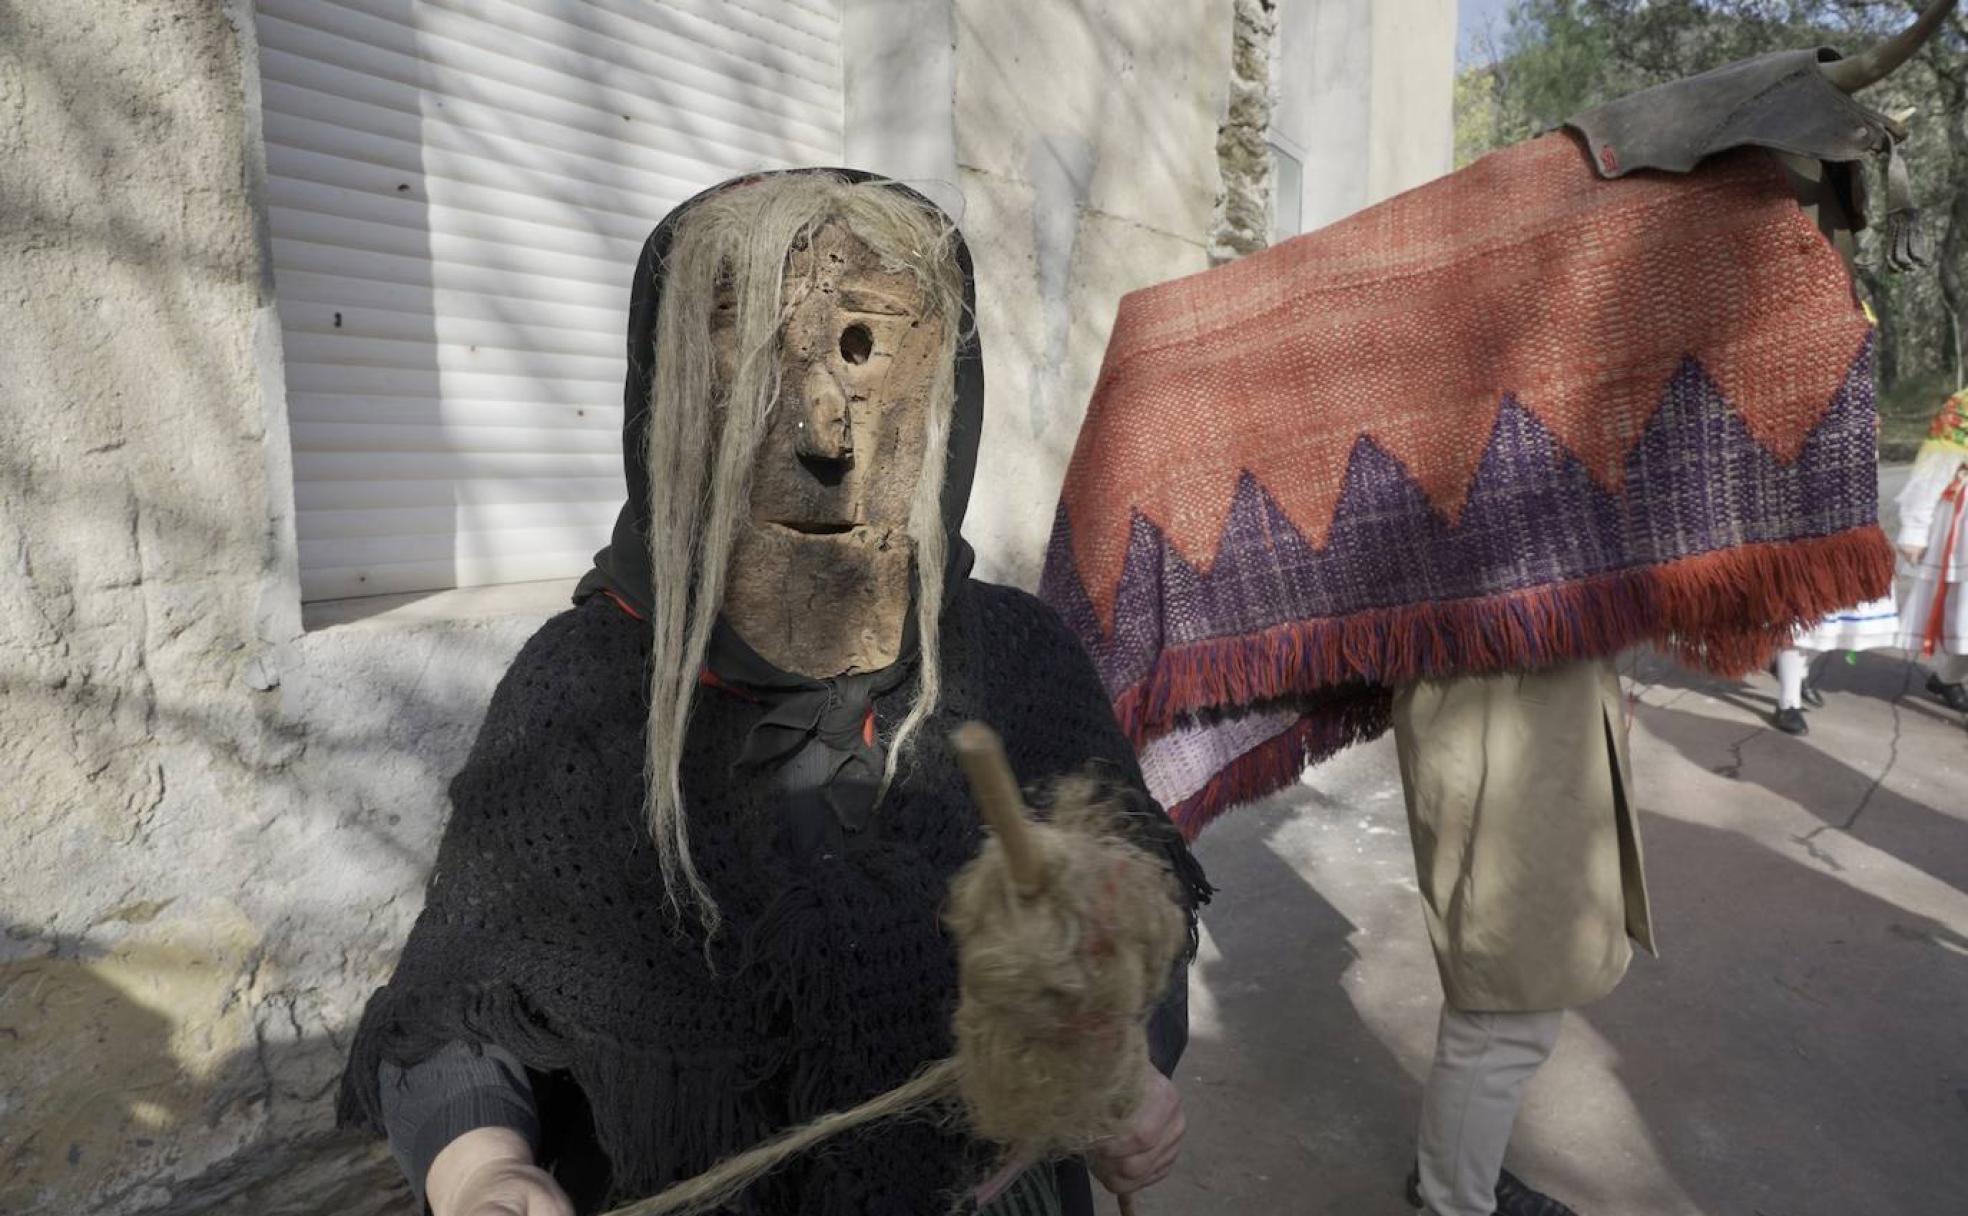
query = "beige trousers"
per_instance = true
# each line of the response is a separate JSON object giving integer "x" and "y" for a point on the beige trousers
{"x": 1469, "y": 1104}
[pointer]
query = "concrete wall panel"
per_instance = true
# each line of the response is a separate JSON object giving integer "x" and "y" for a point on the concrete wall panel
{"x": 1086, "y": 146}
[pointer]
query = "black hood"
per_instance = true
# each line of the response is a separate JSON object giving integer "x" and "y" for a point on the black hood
{"x": 623, "y": 567}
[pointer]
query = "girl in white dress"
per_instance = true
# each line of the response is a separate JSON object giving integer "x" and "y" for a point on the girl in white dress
{"x": 1933, "y": 620}
{"x": 1874, "y": 625}
{"x": 1933, "y": 540}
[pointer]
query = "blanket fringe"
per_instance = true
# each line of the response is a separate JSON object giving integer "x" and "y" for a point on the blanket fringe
{"x": 1282, "y": 759}
{"x": 1725, "y": 613}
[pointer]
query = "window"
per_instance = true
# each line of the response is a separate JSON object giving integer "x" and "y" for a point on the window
{"x": 1287, "y": 190}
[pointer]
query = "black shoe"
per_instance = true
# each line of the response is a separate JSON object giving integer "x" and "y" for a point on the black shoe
{"x": 1812, "y": 697}
{"x": 1791, "y": 722}
{"x": 1513, "y": 1197}
{"x": 1516, "y": 1199}
{"x": 1954, "y": 696}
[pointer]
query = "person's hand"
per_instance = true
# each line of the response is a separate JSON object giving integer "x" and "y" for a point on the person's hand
{"x": 1144, "y": 1154}
{"x": 490, "y": 1172}
{"x": 1913, "y": 553}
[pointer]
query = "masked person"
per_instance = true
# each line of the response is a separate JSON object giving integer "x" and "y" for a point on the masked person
{"x": 1933, "y": 541}
{"x": 689, "y": 892}
{"x": 1434, "y": 467}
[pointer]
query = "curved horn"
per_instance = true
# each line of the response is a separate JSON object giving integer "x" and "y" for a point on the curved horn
{"x": 1872, "y": 66}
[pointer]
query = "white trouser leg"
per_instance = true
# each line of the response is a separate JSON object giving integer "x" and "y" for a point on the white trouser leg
{"x": 1953, "y": 668}
{"x": 1792, "y": 666}
{"x": 1469, "y": 1104}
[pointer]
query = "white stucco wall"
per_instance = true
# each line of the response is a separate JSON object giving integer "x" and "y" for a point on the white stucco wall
{"x": 216, "y": 825}
{"x": 1086, "y": 149}
{"x": 1365, "y": 87}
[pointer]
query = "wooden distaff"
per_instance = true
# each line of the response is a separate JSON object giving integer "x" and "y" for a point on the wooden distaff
{"x": 995, "y": 787}
{"x": 992, "y": 783}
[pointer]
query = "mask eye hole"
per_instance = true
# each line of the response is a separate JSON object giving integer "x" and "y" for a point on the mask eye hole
{"x": 857, "y": 343}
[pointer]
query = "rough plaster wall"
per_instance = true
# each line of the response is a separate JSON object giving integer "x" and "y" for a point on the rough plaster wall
{"x": 1243, "y": 150}
{"x": 1086, "y": 148}
{"x": 215, "y": 830}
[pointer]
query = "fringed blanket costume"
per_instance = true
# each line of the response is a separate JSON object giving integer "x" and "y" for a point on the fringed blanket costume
{"x": 1518, "y": 416}
{"x": 547, "y": 931}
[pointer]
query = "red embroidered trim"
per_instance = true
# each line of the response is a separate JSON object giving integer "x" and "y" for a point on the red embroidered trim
{"x": 624, "y": 605}
{"x": 1931, "y": 637}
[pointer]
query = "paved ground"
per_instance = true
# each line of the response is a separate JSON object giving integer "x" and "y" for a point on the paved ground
{"x": 1800, "y": 1048}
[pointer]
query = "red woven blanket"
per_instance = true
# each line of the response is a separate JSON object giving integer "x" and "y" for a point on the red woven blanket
{"x": 1516, "y": 416}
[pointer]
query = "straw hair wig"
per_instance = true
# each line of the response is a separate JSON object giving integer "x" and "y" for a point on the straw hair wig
{"x": 704, "y": 437}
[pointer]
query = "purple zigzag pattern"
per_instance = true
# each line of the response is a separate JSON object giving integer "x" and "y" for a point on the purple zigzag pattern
{"x": 1696, "y": 483}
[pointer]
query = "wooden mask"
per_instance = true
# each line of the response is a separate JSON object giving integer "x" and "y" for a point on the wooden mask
{"x": 820, "y": 580}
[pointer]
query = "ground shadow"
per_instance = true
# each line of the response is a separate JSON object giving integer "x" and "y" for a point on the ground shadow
{"x": 1882, "y": 675}
{"x": 106, "y": 1125}
{"x": 1284, "y": 1057}
{"x": 1845, "y": 798}
{"x": 1799, "y": 1048}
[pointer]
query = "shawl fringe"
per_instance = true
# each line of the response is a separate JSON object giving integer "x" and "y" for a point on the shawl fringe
{"x": 1282, "y": 759}
{"x": 1725, "y": 612}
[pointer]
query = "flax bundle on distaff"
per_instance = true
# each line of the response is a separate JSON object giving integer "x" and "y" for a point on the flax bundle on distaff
{"x": 693, "y": 888}
{"x": 1066, "y": 934}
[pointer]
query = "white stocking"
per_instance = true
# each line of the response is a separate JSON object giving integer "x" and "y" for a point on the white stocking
{"x": 1792, "y": 666}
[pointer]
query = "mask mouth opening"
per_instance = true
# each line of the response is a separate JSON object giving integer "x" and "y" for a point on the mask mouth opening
{"x": 812, "y": 527}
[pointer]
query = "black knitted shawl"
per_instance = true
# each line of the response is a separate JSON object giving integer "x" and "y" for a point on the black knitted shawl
{"x": 546, "y": 928}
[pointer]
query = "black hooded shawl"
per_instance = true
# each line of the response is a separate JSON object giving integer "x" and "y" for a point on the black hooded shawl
{"x": 653, "y": 1053}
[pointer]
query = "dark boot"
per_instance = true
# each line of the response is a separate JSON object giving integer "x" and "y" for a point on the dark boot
{"x": 1513, "y": 1197}
{"x": 1791, "y": 722}
{"x": 1516, "y": 1199}
{"x": 1954, "y": 696}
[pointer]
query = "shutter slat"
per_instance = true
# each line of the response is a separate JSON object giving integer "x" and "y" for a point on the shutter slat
{"x": 316, "y": 58}
{"x": 586, "y": 518}
{"x": 386, "y": 496}
{"x": 452, "y": 542}
{"x": 734, "y": 46}
{"x": 444, "y": 153}
{"x": 301, "y": 288}
{"x": 573, "y": 159}
{"x": 349, "y": 582}
{"x": 413, "y": 437}
{"x": 362, "y": 265}
{"x": 419, "y": 382}
{"x": 417, "y": 352}
{"x": 395, "y": 208}
{"x": 305, "y": 317}
{"x": 487, "y": 60}
{"x": 506, "y": 256}
{"x": 457, "y": 193}
{"x": 817, "y": 19}
{"x": 438, "y": 466}
{"x": 453, "y": 412}
{"x": 472, "y": 183}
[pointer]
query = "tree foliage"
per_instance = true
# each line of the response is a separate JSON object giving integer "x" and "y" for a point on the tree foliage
{"x": 1550, "y": 59}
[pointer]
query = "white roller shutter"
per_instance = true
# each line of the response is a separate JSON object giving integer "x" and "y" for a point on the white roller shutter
{"x": 458, "y": 190}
